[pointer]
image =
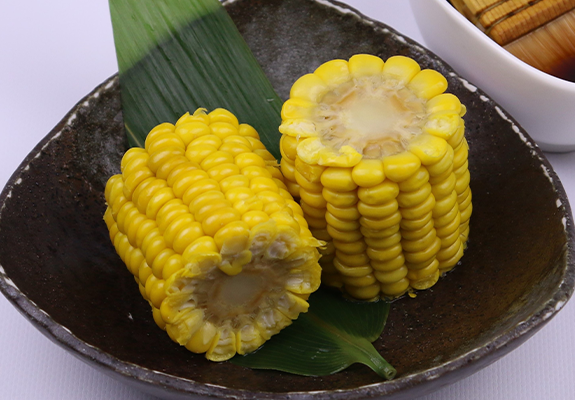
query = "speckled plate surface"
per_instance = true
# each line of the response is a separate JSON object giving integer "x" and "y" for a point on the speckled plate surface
{"x": 58, "y": 267}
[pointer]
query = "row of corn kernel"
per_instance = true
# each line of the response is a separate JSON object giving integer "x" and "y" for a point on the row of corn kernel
{"x": 151, "y": 288}
{"x": 303, "y": 181}
{"x": 378, "y": 208}
{"x": 421, "y": 228}
{"x": 417, "y": 229}
{"x": 457, "y": 178}
{"x": 461, "y": 171}
{"x": 418, "y": 237}
{"x": 380, "y": 217}
{"x": 314, "y": 207}
{"x": 446, "y": 212}
{"x": 342, "y": 218}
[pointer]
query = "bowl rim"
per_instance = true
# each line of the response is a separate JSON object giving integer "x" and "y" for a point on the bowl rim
{"x": 531, "y": 72}
{"x": 148, "y": 379}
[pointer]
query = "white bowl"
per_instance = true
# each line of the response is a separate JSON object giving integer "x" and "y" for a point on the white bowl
{"x": 543, "y": 104}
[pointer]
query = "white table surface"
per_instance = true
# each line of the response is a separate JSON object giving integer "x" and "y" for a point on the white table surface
{"x": 52, "y": 53}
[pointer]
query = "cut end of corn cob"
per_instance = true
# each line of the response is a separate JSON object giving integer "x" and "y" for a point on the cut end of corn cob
{"x": 377, "y": 155}
{"x": 215, "y": 241}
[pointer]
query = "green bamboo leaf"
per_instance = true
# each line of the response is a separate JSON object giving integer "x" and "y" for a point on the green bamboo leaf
{"x": 175, "y": 56}
{"x": 331, "y": 336}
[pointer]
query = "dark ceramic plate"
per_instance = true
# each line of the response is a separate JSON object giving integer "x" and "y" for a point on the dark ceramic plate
{"x": 60, "y": 270}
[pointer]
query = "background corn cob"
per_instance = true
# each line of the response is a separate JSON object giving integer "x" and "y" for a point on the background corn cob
{"x": 377, "y": 155}
{"x": 216, "y": 243}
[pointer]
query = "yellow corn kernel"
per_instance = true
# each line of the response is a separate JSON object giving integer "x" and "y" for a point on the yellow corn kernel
{"x": 163, "y": 141}
{"x": 393, "y": 276}
{"x": 288, "y": 147}
{"x": 189, "y": 131}
{"x": 202, "y": 245}
{"x": 288, "y": 169}
{"x": 361, "y": 65}
{"x": 344, "y": 236}
{"x": 443, "y": 124}
{"x": 368, "y": 173}
{"x": 130, "y": 155}
{"x": 248, "y": 132}
{"x": 313, "y": 199}
{"x": 383, "y": 242}
{"x": 222, "y": 171}
{"x": 237, "y": 140}
{"x": 401, "y": 68}
{"x": 377, "y": 211}
{"x": 260, "y": 184}
{"x": 313, "y": 187}
{"x": 346, "y": 156}
{"x": 197, "y": 152}
{"x": 341, "y": 199}
{"x": 411, "y": 199}
{"x": 339, "y": 179}
{"x": 360, "y": 282}
{"x": 389, "y": 265}
{"x": 208, "y": 140}
{"x": 198, "y": 187}
{"x": 216, "y": 158}
{"x": 428, "y": 83}
{"x": 418, "y": 211}
{"x": 428, "y": 148}
{"x": 401, "y": 166}
{"x": 309, "y": 87}
{"x": 341, "y": 224}
{"x": 457, "y": 138}
{"x": 296, "y": 109}
{"x": 345, "y": 213}
{"x": 363, "y": 292}
{"x": 223, "y": 115}
{"x": 444, "y": 102}
{"x": 380, "y": 224}
{"x": 159, "y": 158}
{"x": 334, "y": 72}
{"x": 249, "y": 159}
{"x": 235, "y": 148}
{"x": 144, "y": 196}
{"x": 415, "y": 181}
{"x": 215, "y": 241}
{"x": 232, "y": 182}
{"x": 380, "y": 194}
{"x": 223, "y": 129}
{"x": 352, "y": 260}
{"x": 183, "y": 169}
{"x": 254, "y": 171}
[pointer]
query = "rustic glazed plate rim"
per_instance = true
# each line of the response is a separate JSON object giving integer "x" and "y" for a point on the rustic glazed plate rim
{"x": 115, "y": 366}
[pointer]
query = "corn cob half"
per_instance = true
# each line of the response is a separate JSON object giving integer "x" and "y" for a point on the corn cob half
{"x": 377, "y": 155}
{"x": 219, "y": 248}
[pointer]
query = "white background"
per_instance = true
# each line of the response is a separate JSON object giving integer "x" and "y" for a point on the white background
{"x": 52, "y": 53}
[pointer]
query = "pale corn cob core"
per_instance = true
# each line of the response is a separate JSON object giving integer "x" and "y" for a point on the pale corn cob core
{"x": 376, "y": 153}
{"x": 374, "y": 115}
{"x": 218, "y": 246}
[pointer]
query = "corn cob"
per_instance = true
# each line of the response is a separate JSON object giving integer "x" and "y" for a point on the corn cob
{"x": 219, "y": 248}
{"x": 376, "y": 153}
